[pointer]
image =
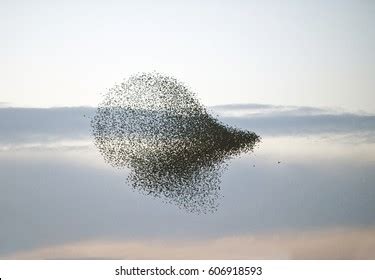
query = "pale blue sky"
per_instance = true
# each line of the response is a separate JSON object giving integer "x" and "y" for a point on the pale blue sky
{"x": 311, "y": 53}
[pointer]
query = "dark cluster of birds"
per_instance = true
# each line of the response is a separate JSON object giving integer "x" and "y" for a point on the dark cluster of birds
{"x": 155, "y": 126}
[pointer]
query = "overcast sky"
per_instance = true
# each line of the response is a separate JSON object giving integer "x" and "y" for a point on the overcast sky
{"x": 315, "y": 53}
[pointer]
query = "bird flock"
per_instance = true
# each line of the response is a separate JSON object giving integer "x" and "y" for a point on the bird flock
{"x": 175, "y": 150}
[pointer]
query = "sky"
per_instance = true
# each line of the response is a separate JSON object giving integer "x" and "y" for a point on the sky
{"x": 302, "y": 53}
{"x": 298, "y": 73}
{"x": 61, "y": 200}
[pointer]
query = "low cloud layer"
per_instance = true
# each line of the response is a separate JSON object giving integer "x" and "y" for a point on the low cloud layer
{"x": 293, "y": 120}
{"x": 20, "y": 125}
{"x": 324, "y": 244}
{"x": 56, "y": 187}
{"x": 62, "y": 197}
{"x": 23, "y": 125}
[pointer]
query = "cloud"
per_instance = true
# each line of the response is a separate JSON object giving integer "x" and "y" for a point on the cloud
{"x": 20, "y": 125}
{"x": 60, "y": 191}
{"x": 253, "y": 109}
{"x": 324, "y": 244}
{"x": 294, "y": 120}
{"x": 37, "y": 125}
{"x": 60, "y": 197}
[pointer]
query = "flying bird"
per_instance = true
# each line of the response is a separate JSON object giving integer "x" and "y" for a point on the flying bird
{"x": 155, "y": 126}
